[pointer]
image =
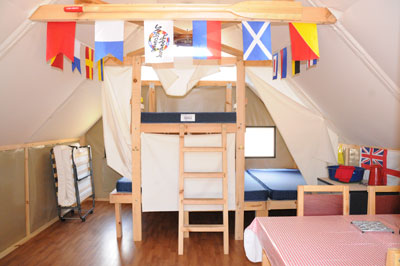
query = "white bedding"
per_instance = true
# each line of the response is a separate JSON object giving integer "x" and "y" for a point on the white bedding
{"x": 65, "y": 175}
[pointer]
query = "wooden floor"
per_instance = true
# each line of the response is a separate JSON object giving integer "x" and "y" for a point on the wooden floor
{"x": 94, "y": 242}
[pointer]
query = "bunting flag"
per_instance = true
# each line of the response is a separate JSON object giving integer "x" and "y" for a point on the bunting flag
{"x": 77, "y": 55}
{"x": 275, "y": 66}
{"x": 283, "y": 54}
{"x": 311, "y": 63}
{"x": 89, "y": 62}
{"x": 109, "y": 39}
{"x": 207, "y": 39}
{"x": 304, "y": 40}
{"x": 100, "y": 69}
{"x": 158, "y": 41}
{"x": 295, "y": 67}
{"x": 58, "y": 61}
{"x": 60, "y": 39}
{"x": 256, "y": 40}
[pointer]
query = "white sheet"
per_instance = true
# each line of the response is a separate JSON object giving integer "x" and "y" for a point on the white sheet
{"x": 160, "y": 171}
{"x": 116, "y": 92}
{"x": 65, "y": 175}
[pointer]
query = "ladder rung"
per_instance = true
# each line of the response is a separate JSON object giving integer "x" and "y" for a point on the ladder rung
{"x": 203, "y": 175}
{"x": 203, "y": 149}
{"x": 204, "y": 228}
{"x": 203, "y": 201}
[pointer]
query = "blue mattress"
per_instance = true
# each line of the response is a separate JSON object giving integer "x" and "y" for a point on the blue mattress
{"x": 203, "y": 117}
{"x": 281, "y": 184}
{"x": 253, "y": 189}
{"x": 124, "y": 185}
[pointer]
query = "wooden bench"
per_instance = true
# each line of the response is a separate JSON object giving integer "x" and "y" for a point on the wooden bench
{"x": 119, "y": 198}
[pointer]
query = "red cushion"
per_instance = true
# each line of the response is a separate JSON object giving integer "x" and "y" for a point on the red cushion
{"x": 387, "y": 204}
{"x": 323, "y": 204}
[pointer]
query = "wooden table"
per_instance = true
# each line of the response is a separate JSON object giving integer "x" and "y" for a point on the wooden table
{"x": 324, "y": 240}
{"x": 358, "y": 194}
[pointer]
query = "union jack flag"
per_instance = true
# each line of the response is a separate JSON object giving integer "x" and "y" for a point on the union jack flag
{"x": 376, "y": 156}
{"x": 373, "y": 156}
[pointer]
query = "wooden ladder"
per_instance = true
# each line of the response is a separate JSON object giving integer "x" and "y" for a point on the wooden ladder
{"x": 184, "y": 226}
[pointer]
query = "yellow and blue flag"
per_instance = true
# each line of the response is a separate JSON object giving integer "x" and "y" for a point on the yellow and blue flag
{"x": 100, "y": 69}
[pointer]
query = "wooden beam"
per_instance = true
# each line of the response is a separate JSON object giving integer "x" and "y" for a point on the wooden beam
{"x": 136, "y": 149}
{"x": 189, "y": 128}
{"x": 35, "y": 144}
{"x": 230, "y": 50}
{"x": 152, "y": 97}
{"x": 241, "y": 127}
{"x": 228, "y": 97}
{"x": 27, "y": 201}
{"x": 139, "y": 51}
{"x": 280, "y": 11}
{"x": 201, "y": 83}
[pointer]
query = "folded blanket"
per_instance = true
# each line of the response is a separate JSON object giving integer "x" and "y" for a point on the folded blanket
{"x": 344, "y": 173}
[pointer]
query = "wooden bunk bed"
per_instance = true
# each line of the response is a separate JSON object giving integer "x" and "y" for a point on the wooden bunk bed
{"x": 274, "y": 11}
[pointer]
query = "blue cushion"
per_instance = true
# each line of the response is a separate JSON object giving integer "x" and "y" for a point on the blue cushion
{"x": 281, "y": 183}
{"x": 124, "y": 185}
{"x": 253, "y": 190}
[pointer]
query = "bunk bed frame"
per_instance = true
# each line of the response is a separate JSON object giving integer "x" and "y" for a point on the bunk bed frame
{"x": 274, "y": 11}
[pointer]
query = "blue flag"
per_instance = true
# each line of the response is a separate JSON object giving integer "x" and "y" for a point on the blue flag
{"x": 275, "y": 66}
{"x": 109, "y": 39}
{"x": 283, "y": 63}
{"x": 256, "y": 40}
{"x": 77, "y": 54}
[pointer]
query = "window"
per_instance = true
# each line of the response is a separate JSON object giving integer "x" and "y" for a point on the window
{"x": 260, "y": 142}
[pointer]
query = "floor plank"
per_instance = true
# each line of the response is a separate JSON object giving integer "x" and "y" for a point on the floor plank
{"x": 94, "y": 242}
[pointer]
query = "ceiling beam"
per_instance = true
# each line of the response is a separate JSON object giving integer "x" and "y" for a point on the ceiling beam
{"x": 274, "y": 11}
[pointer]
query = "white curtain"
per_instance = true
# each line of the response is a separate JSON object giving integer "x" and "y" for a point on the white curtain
{"x": 160, "y": 171}
{"x": 305, "y": 132}
{"x": 116, "y": 94}
{"x": 183, "y": 77}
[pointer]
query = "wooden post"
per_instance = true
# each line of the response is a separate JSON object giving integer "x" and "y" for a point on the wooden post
{"x": 82, "y": 140}
{"x": 228, "y": 97}
{"x": 26, "y": 176}
{"x": 241, "y": 128}
{"x": 152, "y": 98}
{"x": 136, "y": 146}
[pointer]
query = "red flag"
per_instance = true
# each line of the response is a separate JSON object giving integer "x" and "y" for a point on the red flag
{"x": 304, "y": 40}
{"x": 60, "y": 39}
{"x": 58, "y": 61}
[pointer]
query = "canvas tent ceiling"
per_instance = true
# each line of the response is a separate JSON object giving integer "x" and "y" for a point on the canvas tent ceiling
{"x": 355, "y": 86}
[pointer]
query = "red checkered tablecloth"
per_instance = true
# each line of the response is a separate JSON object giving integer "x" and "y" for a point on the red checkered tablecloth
{"x": 324, "y": 240}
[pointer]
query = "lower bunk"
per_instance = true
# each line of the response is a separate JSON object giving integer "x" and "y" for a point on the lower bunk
{"x": 265, "y": 190}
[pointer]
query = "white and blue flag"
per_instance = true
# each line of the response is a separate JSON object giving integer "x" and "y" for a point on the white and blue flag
{"x": 109, "y": 39}
{"x": 256, "y": 40}
{"x": 77, "y": 56}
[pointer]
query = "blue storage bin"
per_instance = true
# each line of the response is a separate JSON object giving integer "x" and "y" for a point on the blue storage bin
{"x": 357, "y": 176}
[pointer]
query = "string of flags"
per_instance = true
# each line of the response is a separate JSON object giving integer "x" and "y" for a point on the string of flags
{"x": 159, "y": 38}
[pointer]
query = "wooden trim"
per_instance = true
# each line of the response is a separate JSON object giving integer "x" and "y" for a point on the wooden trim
{"x": 82, "y": 140}
{"x": 201, "y": 83}
{"x": 232, "y": 51}
{"x": 228, "y": 97}
{"x": 181, "y": 195}
{"x": 189, "y": 128}
{"x": 27, "y": 199}
{"x": 241, "y": 127}
{"x": 137, "y": 52}
{"x": 371, "y": 210}
{"x": 322, "y": 188}
{"x": 263, "y": 63}
{"x": 27, "y": 238}
{"x": 34, "y": 144}
{"x": 393, "y": 257}
{"x": 255, "y": 205}
{"x": 152, "y": 98}
{"x": 354, "y": 146}
{"x": 274, "y": 11}
{"x": 136, "y": 149}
